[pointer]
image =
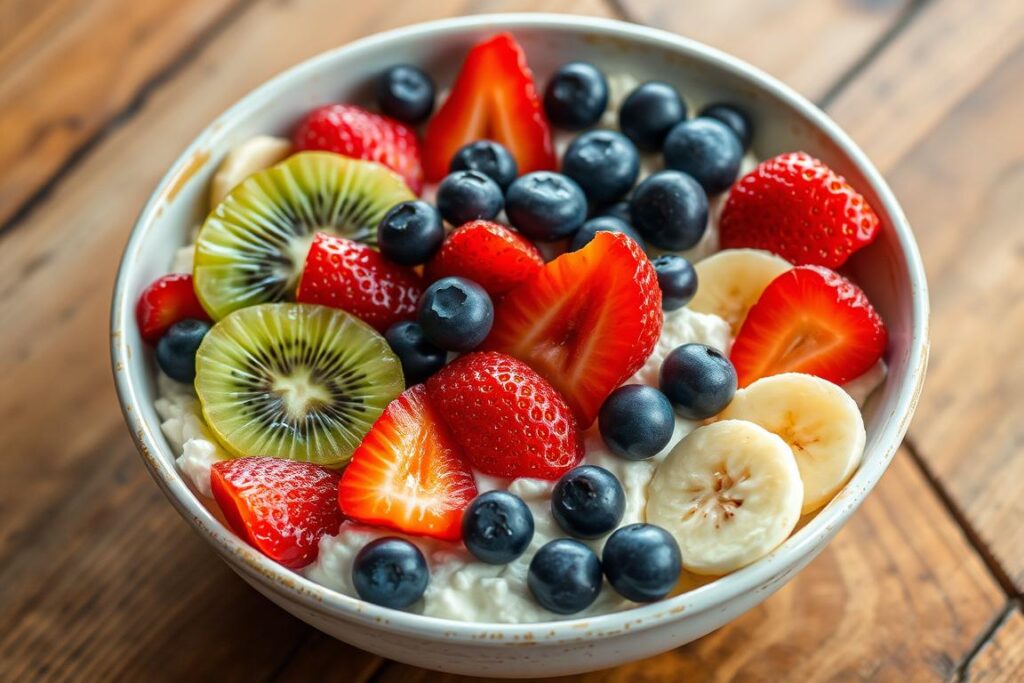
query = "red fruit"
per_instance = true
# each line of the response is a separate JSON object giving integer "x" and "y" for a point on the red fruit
{"x": 489, "y": 254}
{"x": 280, "y": 507}
{"x": 354, "y": 132}
{"x": 166, "y": 301}
{"x": 353, "y": 277}
{"x": 494, "y": 98}
{"x": 810, "y": 320}
{"x": 586, "y": 321}
{"x": 408, "y": 473}
{"x": 509, "y": 420}
{"x": 799, "y": 208}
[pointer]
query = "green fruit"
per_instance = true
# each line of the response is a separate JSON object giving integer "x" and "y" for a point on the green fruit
{"x": 253, "y": 245}
{"x": 295, "y": 381}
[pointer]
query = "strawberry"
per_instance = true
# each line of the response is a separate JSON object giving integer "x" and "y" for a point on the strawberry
{"x": 489, "y": 254}
{"x": 355, "y": 132}
{"x": 494, "y": 97}
{"x": 408, "y": 473}
{"x": 355, "y": 278}
{"x": 166, "y": 301}
{"x": 799, "y": 208}
{"x": 586, "y": 321}
{"x": 280, "y": 507}
{"x": 811, "y": 320}
{"x": 507, "y": 418}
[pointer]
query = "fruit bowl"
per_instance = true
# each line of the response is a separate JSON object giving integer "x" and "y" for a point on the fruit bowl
{"x": 889, "y": 271}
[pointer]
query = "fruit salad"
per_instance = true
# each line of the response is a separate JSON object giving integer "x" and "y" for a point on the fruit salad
{"x": 509, "y": 350}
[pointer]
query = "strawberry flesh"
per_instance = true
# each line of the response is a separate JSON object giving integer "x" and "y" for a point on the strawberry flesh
{"x": 489, "y": 254}
{"x": 166, "y": 301}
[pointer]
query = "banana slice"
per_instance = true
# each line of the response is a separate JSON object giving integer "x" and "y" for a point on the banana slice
{"x": 255, "y": 154}
{"x": 731, "y": 281}
{"x": 819, "y": 421}
{"x": 729, "y": 492}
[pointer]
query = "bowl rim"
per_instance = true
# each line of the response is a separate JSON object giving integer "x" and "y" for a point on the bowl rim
{"x": 294, "y": 588}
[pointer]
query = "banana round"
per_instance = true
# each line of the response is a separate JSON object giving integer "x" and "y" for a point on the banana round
{"x": 730, "y": 281}
{"x": 255, "y": 154}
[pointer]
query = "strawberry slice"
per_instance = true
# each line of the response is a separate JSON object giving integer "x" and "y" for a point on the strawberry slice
{"x": 353, "y": 277}
{"x": 811, "y": 320}
{"x": 489, "y": 254}
{"x": 586, "y": 321}
{"x": 166, "y": 301}
{"x": 495, "y": 98}
{"x": 280, "y": 507}
{"x": 408, "y": 473}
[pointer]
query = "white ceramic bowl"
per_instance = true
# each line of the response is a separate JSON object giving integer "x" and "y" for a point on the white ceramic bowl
{"x": 890, "y": 271}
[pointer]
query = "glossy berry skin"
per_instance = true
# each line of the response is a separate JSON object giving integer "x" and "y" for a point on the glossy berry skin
{"x": 604, "y": 163}
{"x": 176, "y": 350}
{"x": 465, "y": 196}
{"x": 576, "y": 96}
{"x": 487, "y": 157}
{"x": 545, "y": 206}
{"x": 735, "y": 118}
{"x": 649, "y": 113}
{"x": 164, "y": 302}
{"x": 564, "y": 576}
{"x": 598, "y": 224}
{"x": 410, "y": 233}
{"x": 642, "y": 562}
{"x": 677, "y": 279}
{"x": 390, "y": 572}
{"x": 588, "y": 502}
{"x": 497, "y": 527}
{"x": 698, "y": 380}
{"x": 670, "y": 209}
{"x": 456, "y": 314}
{"x": 406, "y": 93}
{"x": 636, "y": 421}
{"x": 491, "y": 255}
{"x": 618, "y": 210}
{"x": 420, "y": 359}
{"x": 707, "y": 150}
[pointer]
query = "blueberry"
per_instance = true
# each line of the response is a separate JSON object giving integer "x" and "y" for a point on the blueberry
{"x": 707, "y": 150}
{"x": 576, "y": 96}
{"x": 733, "y": 117}
{"x": 618, "y": 210}
{"x": 176, "y": 350}
{"x": 497, "y": 527}
{"x": 456, "y": 314}
{"x": 603, "y": 224}
{"x": 487, "y": 157}
{"x": 564, "y": 576}
{"x": 465, "y": 196}
{"x": 636, "y": 421}
{"x": 649, "y": 113}
{"x": 545, "y": 206}
{"x": 677, "y": 280}
{"x": 642, "y": 562}
{"x": 406, "y": 93}
{"x": 670, "y": 209}
{"x": 588, "y": 502}
{"x": 390, "y": 572}
{"x": 604, "y": 163}
{"x": 410, "y": 233}
{"x": 420, "y": 359}
{"x": 698, "y": 380}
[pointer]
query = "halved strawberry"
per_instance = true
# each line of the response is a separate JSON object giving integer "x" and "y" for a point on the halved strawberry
{"x": 586, "y": 321}
{"x": 280, "y": 507}
{"x": 489, "y": 254}
{"x": 166, "y": 301}
{"x": 408, "y": 473}
{"x": 494, "y": 97}
{"x": 811, "y": 320}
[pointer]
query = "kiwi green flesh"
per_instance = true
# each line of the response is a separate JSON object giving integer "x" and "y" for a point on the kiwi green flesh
{"x": 295, "y": 381}
{"x": 253, "y": 245}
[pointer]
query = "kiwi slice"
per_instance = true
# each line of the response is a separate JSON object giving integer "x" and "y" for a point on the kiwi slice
{"x": 253, "y": 245}
{"x": 295, "y": 381}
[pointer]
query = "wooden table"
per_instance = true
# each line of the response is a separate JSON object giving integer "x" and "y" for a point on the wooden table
{"x": 99, "y": 577}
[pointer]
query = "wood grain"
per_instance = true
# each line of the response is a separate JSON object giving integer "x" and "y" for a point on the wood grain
{"x": 1001, "y": 659}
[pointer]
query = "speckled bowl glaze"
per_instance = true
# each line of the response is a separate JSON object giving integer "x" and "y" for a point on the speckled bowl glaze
{"x": 890, "y": 271}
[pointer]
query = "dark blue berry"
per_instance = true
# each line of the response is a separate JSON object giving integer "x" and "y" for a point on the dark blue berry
{"x": 545, "y": 206}
{"x": 707, "y": 150}
{"x": 390, "y": 572}
{"x": 420, "y": 359}
{"x": 670, "y": 209}
{"x": 406, "y": 93}
{"x": 603, "y": 224}
{"x": 564, "y": 576}
{"x": 176, "y": 350}
{"x": 588, "y": 502}
{"x": 465, "y": 196}
{"x": 456, "y": 314}
{"x": 733, "y": 117}
{"x": 618, "y": 210}
{"x": 636, "y": 421}
{"x": 487, "y": 157}
{"x": 649, "y": 113}
{"x": 677, "y": 280}
{"x": 604, "y": 163}
{"x": 698, "y": 380}
{"x": 576, "y": 96}
{"x": 410, "y": 233}
{"x": 642, "y": 562}
{"x": 497, "y": 527}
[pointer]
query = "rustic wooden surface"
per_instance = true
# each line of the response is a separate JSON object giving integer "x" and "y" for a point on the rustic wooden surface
{"x": 100, "y": 579}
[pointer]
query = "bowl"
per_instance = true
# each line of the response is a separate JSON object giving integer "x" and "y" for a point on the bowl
{"x": 889, "y": 270}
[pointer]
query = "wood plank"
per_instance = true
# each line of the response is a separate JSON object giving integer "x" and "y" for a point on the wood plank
{"x": 1001, "y": 659}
